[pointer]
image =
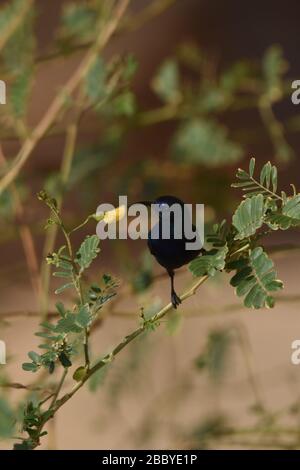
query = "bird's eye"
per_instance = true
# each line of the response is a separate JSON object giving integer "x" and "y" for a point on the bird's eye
{"x": 163, "y": 207}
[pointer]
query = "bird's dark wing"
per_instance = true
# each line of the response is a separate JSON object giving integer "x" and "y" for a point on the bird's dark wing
{"x": 171, "y": 253}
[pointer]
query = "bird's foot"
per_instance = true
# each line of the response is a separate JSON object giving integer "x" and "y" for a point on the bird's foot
{"x": 175, "y": 299}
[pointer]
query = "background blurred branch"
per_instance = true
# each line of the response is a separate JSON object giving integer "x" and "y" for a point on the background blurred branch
{"x": 26, "y": 237}
{"x": 208, "y": 310}
{"x": 59, "y": 101}
{"x": 154, "y": 9}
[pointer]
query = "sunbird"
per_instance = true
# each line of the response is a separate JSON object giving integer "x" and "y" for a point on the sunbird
{"x": 171, "y": 252}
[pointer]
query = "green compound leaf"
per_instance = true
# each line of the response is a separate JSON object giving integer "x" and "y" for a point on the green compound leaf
{"x": 256, "y": 279}
{"x": 265, "y": 184}
{"x": 291, "y": 207}
{"x": 19, "y": 92}
{"x": 66, "y": 270}
{"x": 68, "y": 324}
{"x": 18, "y": 56}
{"x": 215, "y": 355}
{"x": 95, "y": 81}
{"x": 74, "y": 322}
{"x": 282, "y": 222}
{"x": 209, "y": 263}
{"x": 289, "y": 215}
{"x": 166, "y": 82}
{"x": 84, "y": 318}
{"x": 88, "y": 251}
{"x": 78, "y": 20}
{"x": 36, "y": 358}
{"x": 124, "y": 104}
{"x": 7, "y": 419}
{"x": 249, "y": 216}
{"x": 205, "y": 142}
{"x": 274, "y": 67}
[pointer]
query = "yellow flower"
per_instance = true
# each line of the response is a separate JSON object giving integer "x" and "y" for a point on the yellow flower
{"x": 114, "y": 215}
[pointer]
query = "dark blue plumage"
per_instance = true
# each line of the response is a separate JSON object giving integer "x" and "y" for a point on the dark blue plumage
{"x": 170, "y": 253}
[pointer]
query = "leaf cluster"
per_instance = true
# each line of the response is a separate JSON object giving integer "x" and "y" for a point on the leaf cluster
{"x": 238, "y": 247}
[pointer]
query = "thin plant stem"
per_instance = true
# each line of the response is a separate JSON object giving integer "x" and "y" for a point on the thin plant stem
{"x": 205, "y": 311}
{"x": 86, "y": 348}
{"x": 156, "y": 8}
{"x": 69, "y": 151}
{"x": 71, "y": 136}
{"x": 42, "y": 402}
{"x": 59, "y": 387}
{"x": 56, "y": 404}
{"x": 274, "y": 127}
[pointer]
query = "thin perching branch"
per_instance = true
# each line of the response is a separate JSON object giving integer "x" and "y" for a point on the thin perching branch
{"x": 154, "y": 320}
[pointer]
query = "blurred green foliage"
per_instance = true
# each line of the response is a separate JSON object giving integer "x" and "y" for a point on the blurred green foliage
{"x": 202, "y": 102}
{"x": 7, "y": 419}
{"x": 214, "y": 357}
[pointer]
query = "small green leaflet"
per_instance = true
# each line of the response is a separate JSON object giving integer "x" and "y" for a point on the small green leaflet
{"x": 68, "y": 324}
{"x": 83, "y": 318}
{"x": 95, "y": 81}
{"x": 19, "y": 92}
{"x": 75, "y": 322}
{"x": 61, "y": 309}
{"x": 18, "y": 54}
{"x": 30, "y": 366}
{"x": 7, "y": 419}
{"x": 166, "y": 82}
{"x": 64, "y": 287}
{"x": 214, "y": 357}
{"x": 209, "y": 263}
{"x": 63, "y": 274}
{"x": 88, "y": 251}
{"x": 62, "y": 262}
{"x": 256, "y": 279}
{"x": 205, "y": 142}
{"x": 274, "y": 67}
{"x": 266, "y": 185}
{"x": 289, "y": 216}
{"x": 291, "y": 207}
{"x": 36, "y": 358}
{"x": 78, "y": 20}
{"x": 249, "y": 216}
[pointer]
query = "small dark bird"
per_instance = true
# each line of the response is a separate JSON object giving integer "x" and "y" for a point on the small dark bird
{"x": 170, "y": 253}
